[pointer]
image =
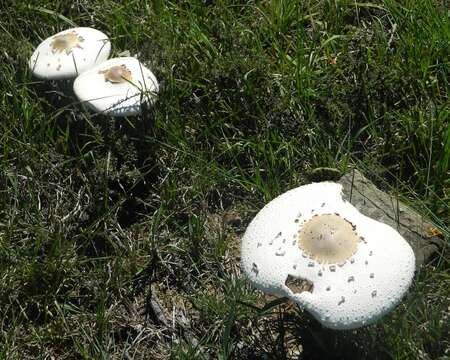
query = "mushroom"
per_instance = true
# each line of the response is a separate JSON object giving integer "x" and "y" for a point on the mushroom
{"x": 69, "y": 53}
{"x": 357, "y": 268}
{"x": 117, "y": 87}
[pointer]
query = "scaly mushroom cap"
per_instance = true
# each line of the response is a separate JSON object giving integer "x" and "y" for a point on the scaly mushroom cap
{"x": 357, "y": 268}
{"x": 117, "y": 87}
{"x": 69, "y": 53}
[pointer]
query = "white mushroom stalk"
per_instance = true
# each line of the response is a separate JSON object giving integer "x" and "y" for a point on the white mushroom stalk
{"x": 69, "y": 53}
{"x": 117, "y": 87}
{"x": 359, "y": 268}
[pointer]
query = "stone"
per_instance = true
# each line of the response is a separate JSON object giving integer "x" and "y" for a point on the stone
{"x": 417, "y": 230}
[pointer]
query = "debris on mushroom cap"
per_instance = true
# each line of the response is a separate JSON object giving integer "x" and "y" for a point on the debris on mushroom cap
{"x": 358, "y": 269}
{"x": 69, "y": 53}
{"x": 117, "y": 87}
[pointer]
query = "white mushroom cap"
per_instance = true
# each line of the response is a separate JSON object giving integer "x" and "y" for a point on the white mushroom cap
{"x": 69, "y": 53}
{"x": 361, "y": 284}
{"x": 117, "y": 87}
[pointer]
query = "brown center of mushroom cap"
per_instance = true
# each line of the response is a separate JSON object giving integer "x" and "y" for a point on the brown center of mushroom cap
{"x": 328, "y": 238}
{"x": 117, "y": 74}
{"x": 66, "y": 42}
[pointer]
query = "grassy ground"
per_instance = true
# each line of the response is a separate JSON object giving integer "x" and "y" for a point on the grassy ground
{"x": 101, "y": 217}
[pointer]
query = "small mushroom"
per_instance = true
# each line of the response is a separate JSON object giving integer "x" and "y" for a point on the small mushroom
{"x": 343, "y": 283}
{"x": 69, "y": 53}
{"x": 117, "y": 87}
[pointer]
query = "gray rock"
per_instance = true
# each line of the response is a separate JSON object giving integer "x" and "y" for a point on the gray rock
{"x": 381, "y": 206}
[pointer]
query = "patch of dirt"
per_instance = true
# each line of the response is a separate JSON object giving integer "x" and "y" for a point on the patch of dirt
{"x": 298, "y": 285}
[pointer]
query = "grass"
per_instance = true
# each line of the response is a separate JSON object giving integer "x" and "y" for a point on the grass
{"x": 100, "y": 215}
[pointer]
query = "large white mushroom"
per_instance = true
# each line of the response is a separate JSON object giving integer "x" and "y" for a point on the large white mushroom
{"x": 69, "y": 53}
{"x": 359, "y": 268}
{"x": 117, "y": 87}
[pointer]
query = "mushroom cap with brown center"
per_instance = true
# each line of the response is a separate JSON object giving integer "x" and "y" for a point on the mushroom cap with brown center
{"x": 66, "y": 42}
{"x": 69, "y": 53}
{"x": 352, "y": 270}
{"x": 117, "y": 87}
